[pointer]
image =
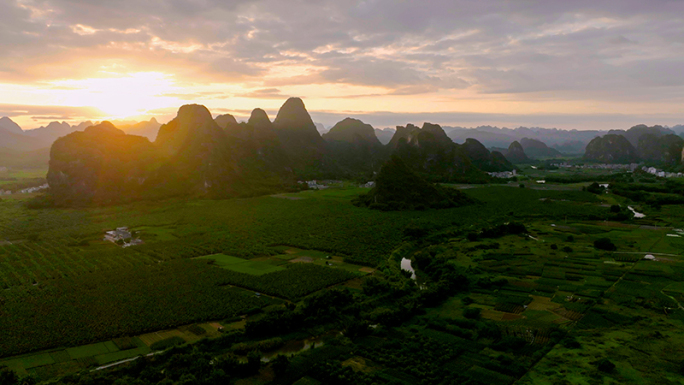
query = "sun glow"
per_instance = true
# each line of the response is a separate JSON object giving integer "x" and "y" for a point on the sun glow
{"x": 119, "y": 95}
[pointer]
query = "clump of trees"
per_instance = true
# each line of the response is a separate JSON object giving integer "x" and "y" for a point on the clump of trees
{"x": 605, "y": 244}
{"x": 510, "y": 228}
{"x": 399, "y": 188}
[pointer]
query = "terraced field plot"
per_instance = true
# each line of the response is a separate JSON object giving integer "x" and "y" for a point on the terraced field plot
{"x": 242, "y": 265}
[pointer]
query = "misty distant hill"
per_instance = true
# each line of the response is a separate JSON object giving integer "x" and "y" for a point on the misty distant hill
{"x": 516, "y": 153}
{"x": 537, "y": 149}
{"x": 9, "y": 125}
{"x": 148, "y": 129}
{"x": 654, "y": 144}
{"x": 565, "y": 141}
{"x": 634, "y": 133}
{"x": 611, "y": 148}
{"x": 385, "y": 135}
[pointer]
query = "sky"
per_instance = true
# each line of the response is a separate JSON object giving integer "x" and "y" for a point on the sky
{"x": 568, "y": 64}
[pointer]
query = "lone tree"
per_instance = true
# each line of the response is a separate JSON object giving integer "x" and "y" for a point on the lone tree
{"x": 605, "y": 244}
{"x": 605, "y": 365}
{"x": 595, "y": 188}
{"x": 8, "y": 377}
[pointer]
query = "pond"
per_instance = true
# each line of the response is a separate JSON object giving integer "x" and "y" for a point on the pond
{"x": 297, "y": 346}
{"x": 406, "y": 265}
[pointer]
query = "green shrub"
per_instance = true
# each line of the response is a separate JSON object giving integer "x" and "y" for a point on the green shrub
{"x": 197, "y": 330}
{"x": 605, "y": 365}
{"x": 605, "y": 244}
{"x": 472, "y": 312}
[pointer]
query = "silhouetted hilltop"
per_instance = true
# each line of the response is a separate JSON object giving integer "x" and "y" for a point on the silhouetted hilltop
{"x": 634, "y": 133}
{"x": 483, "y": 159}
{"x": 352, "y": 131}
{"x": 224, "y": 120}
{"x": 301, "y": 141}
{"x": 101, "y": 164}
{"x": 296, "y": 126}
{"x": 665, "y": 149}
{"x": 402, "y": 132}
{"x": 611, "y": 148}
{"x": 537, "y": 149}
{"x": 192, "y": 126}
{"x": 9, "y": 125}
{"x": 399, "y": 188}
{"x": 191, "y": 156}
{"x": 259, "y": 120}
{"x": 206, "y": 160}
{"x": 355, "y": 148}
{"x": 430, "y": 153}
{"x": 516, "y": 153}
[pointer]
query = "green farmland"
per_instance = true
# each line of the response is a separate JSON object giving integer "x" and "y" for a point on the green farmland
{"x": 242, "y": 265}
{"x": 496, "y": 302}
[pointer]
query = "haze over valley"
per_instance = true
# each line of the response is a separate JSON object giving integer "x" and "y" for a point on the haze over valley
{"x": 341, "y": 192}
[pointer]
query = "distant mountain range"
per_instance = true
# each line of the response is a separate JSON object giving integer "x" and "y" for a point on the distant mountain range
{"x": 198, "y": 155}
{"x": 219, "y": 156}
{"x": 566, "y": 141}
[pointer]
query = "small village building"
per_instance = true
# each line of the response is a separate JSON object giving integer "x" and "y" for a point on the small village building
{"x": 120, "y": 234}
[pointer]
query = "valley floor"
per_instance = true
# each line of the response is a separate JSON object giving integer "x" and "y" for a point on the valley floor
{"x": 245, "y": 280}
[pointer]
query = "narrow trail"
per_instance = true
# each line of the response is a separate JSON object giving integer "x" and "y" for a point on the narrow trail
{"x": 673, "y": 298}
{"x": 646, "y": 252}
{"x": 124, "y": 361}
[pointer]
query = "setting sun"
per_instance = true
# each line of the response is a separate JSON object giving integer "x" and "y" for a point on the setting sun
{"x": 118, "y": 96}
{"x": 341, "y": 192}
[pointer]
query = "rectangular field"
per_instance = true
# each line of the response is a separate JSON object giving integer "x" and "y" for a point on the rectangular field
{"x": 92, "y": 350}
{"x": 242, "y": 265}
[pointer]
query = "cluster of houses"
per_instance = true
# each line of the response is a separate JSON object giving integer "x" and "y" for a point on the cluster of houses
{"x": 29, "y": 190}
{"x": 34, "y": 189}
{"x": 503, "y": 174}
{"x": 370, "y": 184}
{"x": 313, "y": 185}
{"x": 601, "y": 166}
{"x": 662, "y": 174}
{"x": 123, "y": 236}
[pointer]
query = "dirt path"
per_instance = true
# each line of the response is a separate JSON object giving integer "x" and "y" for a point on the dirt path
{"x": 124, "y": 361}
{"x": 673, "y": 298}
{"x": 646, "y": 252}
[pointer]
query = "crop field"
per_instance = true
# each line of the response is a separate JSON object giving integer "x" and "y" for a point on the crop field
{"x": 607, "y": 303}
{"x": 47, "y": 364}
{"x": 240, "y": 265}
{"x": 70, "y": 300}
